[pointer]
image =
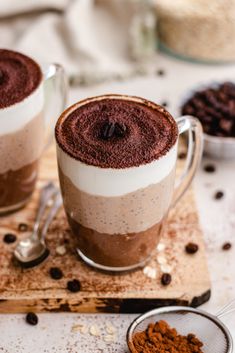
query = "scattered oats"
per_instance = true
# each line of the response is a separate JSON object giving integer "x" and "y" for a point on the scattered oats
{"x": 110, "y": 328}
{"x": 161, "y": 247}
{"x": 161, "y": 260}
{"x": 79, "y": 328}
{"x": 94, "y": 331}
{"x": 166, "y": 268}
{"x": 60, "y": 250}
{"x": 150, "y": 272}
{"x": 109, "y": 338}
{"x": 50, "y": 203}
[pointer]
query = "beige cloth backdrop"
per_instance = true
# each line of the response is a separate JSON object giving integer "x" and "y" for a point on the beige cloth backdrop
{"x": 88, "y": 37}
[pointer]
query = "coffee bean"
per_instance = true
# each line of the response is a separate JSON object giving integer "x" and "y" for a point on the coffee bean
{"x": 23, "y": 227}
{"x": 182, "y": 155}
{"x": 191, "y": 248}
{"x": 227, "y": 246}
{"x": 1, "y": 76}
{"x": 9, "y": 238}
{"x": 209, "y": 168}
{"x": 107, "y": 130}
{"x": 32, "y": 319}
{"x": 164, "y": 104}
{"x": 166, "y": 279}
{"x": 120, "y": 130}
{"x": 56, "y": 273}
{"x": 160, "y": 72}
{"x": 218, "y": 195}
{"x": 74, "y": 286}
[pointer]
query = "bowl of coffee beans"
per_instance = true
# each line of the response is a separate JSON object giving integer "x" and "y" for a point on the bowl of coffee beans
{"x": 214, "y": 106}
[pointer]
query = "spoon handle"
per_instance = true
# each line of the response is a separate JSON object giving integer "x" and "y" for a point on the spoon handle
{"x": 57, "y": 203}
{"x": 47, "y": 192}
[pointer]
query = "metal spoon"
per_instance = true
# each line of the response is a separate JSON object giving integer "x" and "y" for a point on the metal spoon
{"x": 32, "y": 250}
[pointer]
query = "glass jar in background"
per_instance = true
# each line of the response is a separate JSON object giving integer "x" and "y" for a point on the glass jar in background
{"x": 198, "y": 30}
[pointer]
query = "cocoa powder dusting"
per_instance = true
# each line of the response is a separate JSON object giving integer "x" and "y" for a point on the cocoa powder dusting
{"x": 19, "y": 77}
{"x": 116, "y": 133}
{"x": 159, "y": 337}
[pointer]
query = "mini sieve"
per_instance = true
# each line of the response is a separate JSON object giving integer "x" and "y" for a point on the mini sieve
{"x": 208, "y": 328}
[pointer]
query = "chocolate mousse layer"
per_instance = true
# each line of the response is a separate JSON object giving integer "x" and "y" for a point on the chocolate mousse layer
{"x": 19, "y": 77}
{"x": 116, "y": 250}
{"x": 116, "y": 133}
{"x": 16, "y": 186}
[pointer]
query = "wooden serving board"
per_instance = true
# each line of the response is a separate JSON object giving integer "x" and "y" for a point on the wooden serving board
{"x": 23, "y": 290}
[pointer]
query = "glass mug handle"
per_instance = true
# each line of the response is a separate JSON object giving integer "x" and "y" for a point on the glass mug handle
{"x": 191, "y": 125}
{"x": 55, "y": 91}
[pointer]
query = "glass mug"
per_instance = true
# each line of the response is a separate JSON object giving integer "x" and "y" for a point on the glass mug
{"x": 119, "y": 230}
{"x": 23, "y": 137}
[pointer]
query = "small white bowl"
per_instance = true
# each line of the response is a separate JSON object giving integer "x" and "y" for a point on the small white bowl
{"x": 213, "y": 146}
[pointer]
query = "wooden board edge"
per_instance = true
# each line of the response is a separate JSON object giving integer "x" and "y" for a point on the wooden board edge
{"x": 94, "y": 305}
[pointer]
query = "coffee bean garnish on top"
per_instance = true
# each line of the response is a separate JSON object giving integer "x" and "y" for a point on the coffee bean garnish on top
{"x": 1, "y": 76}
{"x": 209, "y": 168}
{"x": 23, "y": 227}
{"x": 9, "y": 238}
{"x": 226, "y": 246}
{"x": 110, "y": 130}
{"x": 218, "y": 195}
{"x": 56, "y": 273}
{"x": 166, "y": 279}
{"x": 74, "y": 286}
{"x": 215, "y": 108}
{"x": 32, "y": 319}
{"x": 191, "y": 248}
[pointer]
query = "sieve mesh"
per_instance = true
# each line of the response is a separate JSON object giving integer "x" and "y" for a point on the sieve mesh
{"x": 214, "y": 335}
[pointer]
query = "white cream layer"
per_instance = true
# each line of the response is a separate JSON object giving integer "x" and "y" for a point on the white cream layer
{"x": 16, "y": 116}
{"x": 115, "y": 182}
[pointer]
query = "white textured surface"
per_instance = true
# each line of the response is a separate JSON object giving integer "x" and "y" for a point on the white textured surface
{"x": 115, "y": 182}
{"x": 16, "y": 116}
{"x": 53, "y": 334}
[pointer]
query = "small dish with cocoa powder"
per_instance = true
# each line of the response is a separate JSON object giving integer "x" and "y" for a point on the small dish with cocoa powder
{"x": 214, "y": 105}
{"x": 189, "y": 329}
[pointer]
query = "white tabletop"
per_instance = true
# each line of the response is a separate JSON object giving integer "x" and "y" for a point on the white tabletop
{"x": 54, "y": 332}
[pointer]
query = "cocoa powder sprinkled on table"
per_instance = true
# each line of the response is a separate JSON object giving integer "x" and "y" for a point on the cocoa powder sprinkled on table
{"x": 159, "y": 337}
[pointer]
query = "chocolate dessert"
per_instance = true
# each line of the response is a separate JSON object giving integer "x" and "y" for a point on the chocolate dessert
{"x": 116, "y": 162}
{"x": 21, "y": 127}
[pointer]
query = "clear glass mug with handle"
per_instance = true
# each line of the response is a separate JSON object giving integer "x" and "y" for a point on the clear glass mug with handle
{"x": 117, "y": 215}
{"x": 26, "y": 128}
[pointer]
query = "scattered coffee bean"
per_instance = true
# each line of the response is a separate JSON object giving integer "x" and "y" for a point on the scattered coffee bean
{"x": 182, "y": 155}
{"x": 23, "y": 227}
{"x": 56, "y": 273}
{"x": 9, "y": 238}
{"x": 160, "y": 72}
{"x": 209, "y": 168}
{"x": 191, "y": 248}
{"x": 32, "y": 319}
{"x": 166, "y": 279}
{"x": 218, "y": 195}
{"x": 227, "y": 246}
{"x": 74, "y": 286}
{"x": 164, "y": 104}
